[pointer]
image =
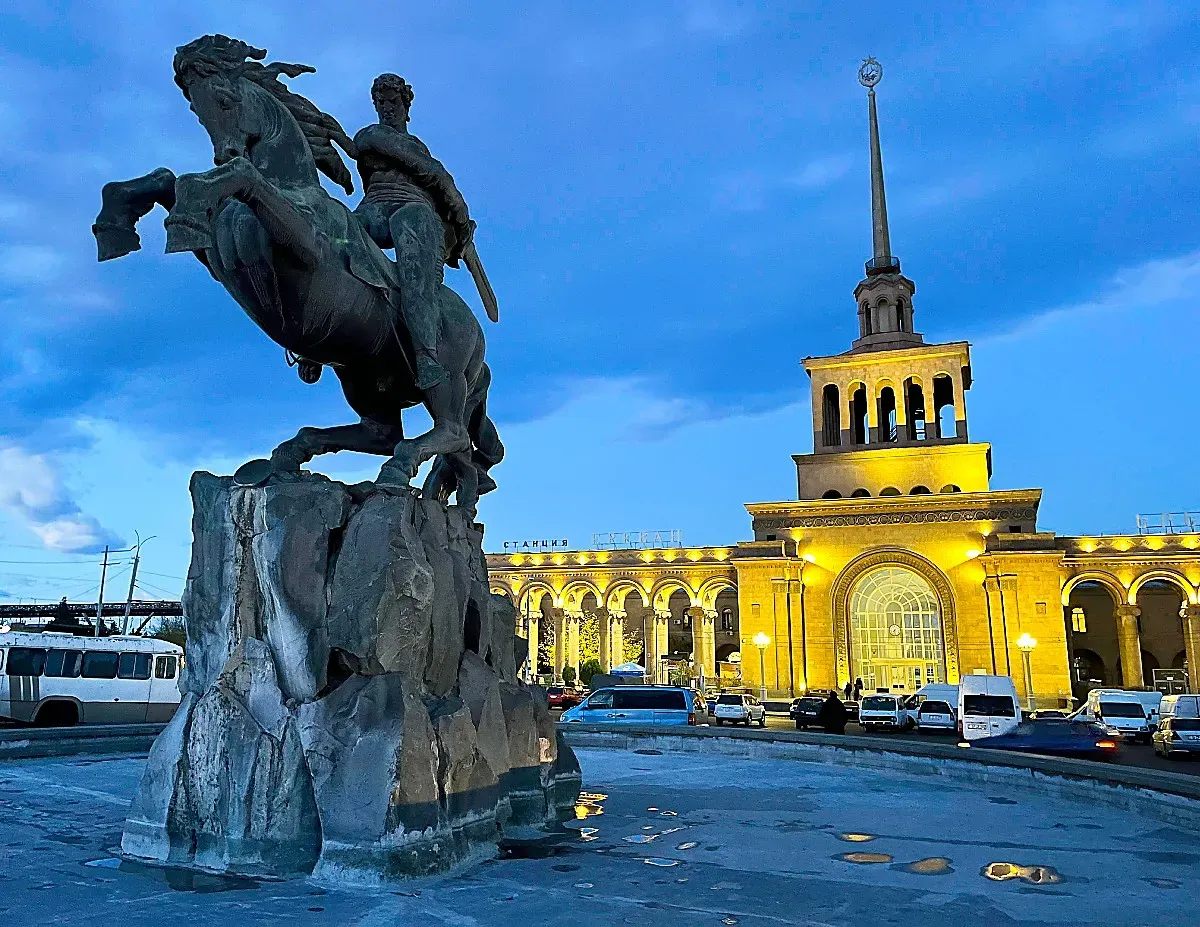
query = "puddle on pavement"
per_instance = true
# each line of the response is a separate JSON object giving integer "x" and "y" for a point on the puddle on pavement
{"x": 1162, "y": 883}
{"x": 688, "y": 845}
{"x": 864, "y": 859}
{"x": 589, "y": 805}
{"x": 931, "y": 865}
{"x": 729, "y": 920}
{"x": 179, "y": 880}
{"x": 641, "y": 838}
{"x": 584, "y": 885}
{"x": 588, "y": 834}
{"x": 856, "y": 838}
{"x": 649, "y": 752}
{"x": 669, "y": 814}
{"x": 660, "y": 861}
{"x": 1001, "y": 801}
{"x": 1034, "y": 875}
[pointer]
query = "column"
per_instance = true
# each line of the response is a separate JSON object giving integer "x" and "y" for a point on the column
{"x": 658, "y": 647}
{"x": 1191, "y": 644}
{"x": 531, "y": 667}
{"x": 1130, "y": 642}
{"x": 605, "y": 621}
{"x": 704, "y": 642}
{"x": 556, "y": 618}
{"x": 616, "y": 639}
{"x": 571, "y": 640}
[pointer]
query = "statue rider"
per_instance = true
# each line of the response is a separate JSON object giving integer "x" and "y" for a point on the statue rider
{"x": 411, "y": 204}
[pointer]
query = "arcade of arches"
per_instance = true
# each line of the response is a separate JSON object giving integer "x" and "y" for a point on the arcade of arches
{"x": 896, "y": 562}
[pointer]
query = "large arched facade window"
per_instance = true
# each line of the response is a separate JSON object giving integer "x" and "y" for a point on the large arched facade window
{"x": 895, "y": 631}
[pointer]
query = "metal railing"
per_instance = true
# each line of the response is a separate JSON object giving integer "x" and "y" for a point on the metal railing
{"x": 1169, "y": 523}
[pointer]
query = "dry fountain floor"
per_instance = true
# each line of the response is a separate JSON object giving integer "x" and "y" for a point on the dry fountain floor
{"x": 678, "y": 840}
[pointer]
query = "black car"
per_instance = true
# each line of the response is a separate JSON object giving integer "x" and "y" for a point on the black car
{"x": 804, "y": 711}
{"x": 1053, "y": 737}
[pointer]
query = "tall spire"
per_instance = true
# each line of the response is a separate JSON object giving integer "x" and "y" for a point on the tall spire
{"x": 882, "y": 261}
{"x": 885, "y": 313}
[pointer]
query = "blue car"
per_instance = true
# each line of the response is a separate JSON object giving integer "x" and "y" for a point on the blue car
{"x": 641, "y": 705}
{"x": 1057, "y": 737}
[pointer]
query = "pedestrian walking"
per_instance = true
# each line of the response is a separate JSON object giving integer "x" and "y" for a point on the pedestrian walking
{"x": 833, "y": 714}
{"x": 849, "y": 688}
{"x": 858, "y": 689}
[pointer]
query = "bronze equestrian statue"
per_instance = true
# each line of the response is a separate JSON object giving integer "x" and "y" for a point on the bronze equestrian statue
{"x": 311, "y": 273}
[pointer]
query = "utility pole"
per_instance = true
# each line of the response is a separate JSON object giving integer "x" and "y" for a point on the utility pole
{"x": 137, "y": 556}
{"x": 100, "y": 598}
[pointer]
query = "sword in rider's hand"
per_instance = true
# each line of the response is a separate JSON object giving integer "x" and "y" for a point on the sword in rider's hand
{"x": 471, "y": 258}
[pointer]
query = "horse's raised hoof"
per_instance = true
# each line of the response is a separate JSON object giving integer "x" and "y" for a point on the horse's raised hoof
{"x": 254, "y": 472}
{"x": 187, "y": 234}
{"x": 115, "y": 240}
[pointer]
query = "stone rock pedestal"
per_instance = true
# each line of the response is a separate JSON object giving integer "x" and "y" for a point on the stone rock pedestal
{"x": 351, "y": 707}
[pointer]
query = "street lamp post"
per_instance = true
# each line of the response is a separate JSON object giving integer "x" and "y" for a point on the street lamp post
{"x": 761, "y": 641}
{"x": 1025, "y": 643}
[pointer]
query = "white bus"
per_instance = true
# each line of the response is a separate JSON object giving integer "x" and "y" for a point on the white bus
{"x": 52, "y": 680}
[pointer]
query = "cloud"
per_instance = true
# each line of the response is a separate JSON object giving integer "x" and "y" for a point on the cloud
{"x": 821, "y": 172}
{"x": 32, "y": 490}
{"x": 22, "y": 264}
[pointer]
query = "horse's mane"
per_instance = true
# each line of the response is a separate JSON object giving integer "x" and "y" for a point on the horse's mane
{"x": 213, "y": 54}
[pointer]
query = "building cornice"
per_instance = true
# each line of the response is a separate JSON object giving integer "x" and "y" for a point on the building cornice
{"x": 891, "y": 356}
{"x": 999, "y": 505}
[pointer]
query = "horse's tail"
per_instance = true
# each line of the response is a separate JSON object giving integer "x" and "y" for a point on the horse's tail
{"x": 485, "y": 440}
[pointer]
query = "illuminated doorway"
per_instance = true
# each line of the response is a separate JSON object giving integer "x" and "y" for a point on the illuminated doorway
{"x": 895, "y": 631}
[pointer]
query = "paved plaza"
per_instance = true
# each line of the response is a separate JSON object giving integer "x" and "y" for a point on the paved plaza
{"x": 667, "y": 840}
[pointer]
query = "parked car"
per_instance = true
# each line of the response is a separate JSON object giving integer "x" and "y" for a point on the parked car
{"x": 936, "y": 715}
{"x": 561, "y": 697}
{"x": 1078, "y": 738}
{"x": 804, "y": 711}
{"x": 1177, "y": 736}
{"x": 883, "y": 711}
{"x": 739, "y": 709}
{"x": 987, "y": 706}
{"x": 639, "y": 705}
{"x": 1180, "y": 706}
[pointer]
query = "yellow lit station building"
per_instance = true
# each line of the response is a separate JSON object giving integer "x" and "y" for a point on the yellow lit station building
{"x": 896, "y": 563}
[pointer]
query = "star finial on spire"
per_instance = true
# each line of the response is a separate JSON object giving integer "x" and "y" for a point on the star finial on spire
{"x": 870, "y": 73}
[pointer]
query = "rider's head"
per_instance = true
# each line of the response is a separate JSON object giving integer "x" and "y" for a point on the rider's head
{"x": 392, "y": 96}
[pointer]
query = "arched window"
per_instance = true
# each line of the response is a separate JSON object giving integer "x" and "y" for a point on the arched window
{"x": 889, "y": 491}
{"x": 914, "y": 402}
{"x": 919, "y": 491}
{"x": 831, "y": 416}
{"x": 950, "y": 487}
{"x": 943, "y": 406}
{"x": 858, "y": 416}
{"x": 859, "y": 493}
{"x": 887, "y": 414}
{"x": 831, "y": 494}
{"x": 896, "y": 631}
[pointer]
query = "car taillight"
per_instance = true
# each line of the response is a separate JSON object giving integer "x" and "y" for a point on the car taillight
{"x": 1106, "y": 744}
{"x": 691, "y": 717}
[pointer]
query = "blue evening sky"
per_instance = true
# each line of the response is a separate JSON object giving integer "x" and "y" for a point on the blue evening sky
{"x": 673, "y": 207}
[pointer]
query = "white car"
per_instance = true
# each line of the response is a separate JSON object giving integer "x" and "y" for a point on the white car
{"x": 881, "y": 710}
{"x": 739, "y": 709}
{"x": 936, "y": 715}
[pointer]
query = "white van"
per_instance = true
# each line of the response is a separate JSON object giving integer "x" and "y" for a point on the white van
{"x": 1120, "y": 710}
{"x": 987, "y": 706}
{"x": 939, "y": 691}
{"x": 1180, "y": 706}
{"x": 52, "y": 679}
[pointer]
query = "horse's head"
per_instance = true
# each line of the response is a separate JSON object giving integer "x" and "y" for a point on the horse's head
{"x": 242, "y": 103}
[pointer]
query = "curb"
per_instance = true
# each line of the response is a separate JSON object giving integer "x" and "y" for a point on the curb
{"x": 31, "y": 743}
{"x": 1171, "y": 797}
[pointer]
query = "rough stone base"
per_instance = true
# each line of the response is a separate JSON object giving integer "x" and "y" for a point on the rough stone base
{"x": 350, "y": 701}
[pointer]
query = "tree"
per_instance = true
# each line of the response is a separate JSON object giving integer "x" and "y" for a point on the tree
{"x": 568, "y": 675}
{"x": 588, "y": 669}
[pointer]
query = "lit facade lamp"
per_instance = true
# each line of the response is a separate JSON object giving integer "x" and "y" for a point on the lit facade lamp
{"x": 1025, "y": 643}
{"x": 761, "y": 641}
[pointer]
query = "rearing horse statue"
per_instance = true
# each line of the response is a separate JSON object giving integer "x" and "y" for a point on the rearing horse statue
{"x": 303, "y": 268}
